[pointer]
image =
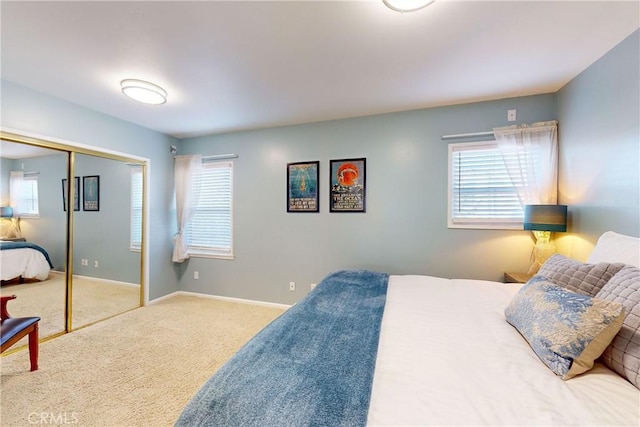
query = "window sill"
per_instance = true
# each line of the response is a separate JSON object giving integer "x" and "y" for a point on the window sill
{"x": 212, "y": 256}
{"x": 488, "y": 226}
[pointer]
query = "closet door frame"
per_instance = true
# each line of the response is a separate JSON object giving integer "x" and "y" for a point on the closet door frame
{"x": 72, "y": 149}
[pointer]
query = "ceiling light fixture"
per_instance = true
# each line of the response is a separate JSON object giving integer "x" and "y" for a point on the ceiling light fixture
{"x": 407, "y": 5}
{"x": 144, "y": 91}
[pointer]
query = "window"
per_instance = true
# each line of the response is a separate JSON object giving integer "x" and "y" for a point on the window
{"x": 28, "y": 196}
{"x": 136, "y": 208}
{"x": 481, "y": 193}
{"x": 210, "y": 231}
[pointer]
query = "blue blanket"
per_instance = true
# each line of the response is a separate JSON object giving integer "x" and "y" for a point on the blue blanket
{"x": 4, "y": 245}
{"x": 312, "y": 366}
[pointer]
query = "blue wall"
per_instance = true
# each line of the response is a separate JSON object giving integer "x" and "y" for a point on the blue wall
{"x": 599, "y": 133}
{"x": 30, "y": 111}
{"x": 404, "y": 230}
{"x": 5, "y": 167}
{"x": 50, "y": 228}
{"x": 108, "y": 243}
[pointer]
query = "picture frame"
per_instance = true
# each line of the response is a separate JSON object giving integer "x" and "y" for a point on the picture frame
{"x": 303, "y": 187}
{"x": 76, "y": 195}
{"x": 91, "y": 193}
{"x": 348, "y": 185}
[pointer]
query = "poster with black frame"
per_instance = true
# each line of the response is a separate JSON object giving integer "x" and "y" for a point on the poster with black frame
{"x": 347, "y": 192}
{"x": 303, "y": 187}
{"x": 91, "y": 193}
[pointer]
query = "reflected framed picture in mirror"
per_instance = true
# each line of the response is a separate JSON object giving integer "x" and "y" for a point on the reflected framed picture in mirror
{"x": 76, "y": 195}
{"x": 91, "y": 193}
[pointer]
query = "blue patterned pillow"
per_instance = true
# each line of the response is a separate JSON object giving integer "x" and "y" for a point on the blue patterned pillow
{"x": 568, "y": 331}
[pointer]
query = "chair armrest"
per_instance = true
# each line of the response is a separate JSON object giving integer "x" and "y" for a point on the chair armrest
{"x": 4, "y": 314}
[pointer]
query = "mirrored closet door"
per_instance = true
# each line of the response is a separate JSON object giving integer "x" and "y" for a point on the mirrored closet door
{"x": 34, "y": 235}
{"x": 84, "y": 210}
{"x": 106, "y": 239}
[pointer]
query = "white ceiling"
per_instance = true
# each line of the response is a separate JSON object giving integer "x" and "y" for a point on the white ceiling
{"x": 12, "y": 150}
{"x": 240, "y": 65}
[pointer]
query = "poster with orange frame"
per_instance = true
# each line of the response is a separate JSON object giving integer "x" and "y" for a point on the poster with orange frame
{"x": 347, "y": 191}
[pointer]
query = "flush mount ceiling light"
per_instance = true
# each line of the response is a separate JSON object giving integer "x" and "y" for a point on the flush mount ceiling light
{"x": 143, "y": 91}
{"x": 407, "y": 5}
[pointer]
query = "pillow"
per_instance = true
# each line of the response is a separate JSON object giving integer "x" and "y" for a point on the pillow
{"x": 623, "y": 355}
{"x": 567, "y": 330}
{"x": 577, "y": 276}
{"x": 614, "y": 247}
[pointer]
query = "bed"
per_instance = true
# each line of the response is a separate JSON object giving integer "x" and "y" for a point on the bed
{"x": 366, "y": 348}
{"x": 23, "y": 260}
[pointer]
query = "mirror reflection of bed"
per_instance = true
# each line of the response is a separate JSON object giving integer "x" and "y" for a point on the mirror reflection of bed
{"x": 26, "y": 272}
{"x": 97, "y": 292}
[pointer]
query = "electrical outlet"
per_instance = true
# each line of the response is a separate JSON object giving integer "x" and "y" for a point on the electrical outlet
{"x": 196, "y": 275}
{"x": 292, "y": 286}
{"x": 313, "y": 285}
{"x": 511, "y": 115}
{"x": 95, "y": 264}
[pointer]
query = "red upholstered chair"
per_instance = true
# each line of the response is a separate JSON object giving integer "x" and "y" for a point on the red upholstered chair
{"x": 14, "y": 328}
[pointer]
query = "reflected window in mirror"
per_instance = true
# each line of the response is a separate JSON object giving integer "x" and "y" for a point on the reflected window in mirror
{"x": 136, "y": 207}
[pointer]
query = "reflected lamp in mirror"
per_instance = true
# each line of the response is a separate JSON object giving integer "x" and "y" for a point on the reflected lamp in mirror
{"x": 9, "y": 225}
{"x": 6, "y": 212}
{"x": 542, "y": 220}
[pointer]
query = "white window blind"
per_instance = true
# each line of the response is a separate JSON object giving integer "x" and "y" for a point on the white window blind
{"x": 481, "y": 193}
{"x": 136, "y": 208}
{"x": 210, "y": 231}
{"x": 28, "y": 198}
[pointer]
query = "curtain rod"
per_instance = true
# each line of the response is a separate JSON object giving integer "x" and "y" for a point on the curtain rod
{"x": 214, "y": 156}
{"x": 220, "y": 157}
{"x": 467, "y": 135}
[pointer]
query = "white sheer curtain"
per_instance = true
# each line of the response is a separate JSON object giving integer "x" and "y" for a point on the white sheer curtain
{"x": 15, "y": 201}
{"x": 187, "y": 179}
{"x": 15, "y": 189}
{"x": 530, "y": 153}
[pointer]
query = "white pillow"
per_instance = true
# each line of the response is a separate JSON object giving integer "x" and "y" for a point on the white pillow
{"x": 613, "y": 247}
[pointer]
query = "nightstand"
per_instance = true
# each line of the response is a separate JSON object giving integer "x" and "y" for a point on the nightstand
{"x": 516, "y": 277}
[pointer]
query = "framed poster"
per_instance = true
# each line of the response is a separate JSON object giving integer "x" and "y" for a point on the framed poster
{"x": 76, "y": 195}
{"x": 348, "y": 178}
{"x": 303, "y": 187}
{"x": 91, "y": 193}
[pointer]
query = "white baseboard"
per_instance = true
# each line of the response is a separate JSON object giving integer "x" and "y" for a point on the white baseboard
{"x": 162, "y": 298}
{"x": 221, "y": 298}
{"x": 113, "y": 282}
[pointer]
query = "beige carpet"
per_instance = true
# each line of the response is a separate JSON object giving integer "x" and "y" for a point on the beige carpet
{"x": 139, "y": 368}
{"x": 93, "y": 300}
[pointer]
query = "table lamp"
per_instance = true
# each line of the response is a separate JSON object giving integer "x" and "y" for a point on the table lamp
{"x": 6, "y": 212}
{"x": 542, "y": 220}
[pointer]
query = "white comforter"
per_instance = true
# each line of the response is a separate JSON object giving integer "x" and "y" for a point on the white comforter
{"x": 448, "y": 357}
{"x": 25, "y": 262}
